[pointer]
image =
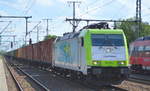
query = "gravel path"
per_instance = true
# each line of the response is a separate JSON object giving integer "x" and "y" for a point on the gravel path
{"x": 133, "y": 86}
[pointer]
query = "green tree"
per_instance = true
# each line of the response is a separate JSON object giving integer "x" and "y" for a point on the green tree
{"x": 130, "y": 29}
{"x": 49, "y": 37}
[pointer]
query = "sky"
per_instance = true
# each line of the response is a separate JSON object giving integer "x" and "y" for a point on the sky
{"x": 58, "y": 11}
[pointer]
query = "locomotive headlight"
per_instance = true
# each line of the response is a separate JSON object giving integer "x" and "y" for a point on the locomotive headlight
{"x": 121, "y": 63}
{"x": 95, "y": 63}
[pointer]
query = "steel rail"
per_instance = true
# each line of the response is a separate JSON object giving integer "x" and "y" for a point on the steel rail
{"x": 89, "y": 85}
{"x": 33, "y": 79}
{"x": 139, "y": 80}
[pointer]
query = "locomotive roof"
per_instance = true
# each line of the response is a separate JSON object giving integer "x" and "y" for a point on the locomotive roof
{"x": 143, "y": 38}
{"x": 80, "y": 33}
{"x": 68, "y": 36}
{"x": 142, "y": 41}
{"x": 95, "y": 28}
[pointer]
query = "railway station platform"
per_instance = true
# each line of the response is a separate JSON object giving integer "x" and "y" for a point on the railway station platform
{"x": 3, "y": 83}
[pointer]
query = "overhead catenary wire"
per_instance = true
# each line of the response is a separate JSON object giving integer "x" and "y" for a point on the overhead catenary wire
{"x": 95, "y": 1}
{"x": 28, "y": 9}
{"x": 6, "y": 40}
{"x": 93, "y": 9}
{"x": 147, "y": 14}
{"x": 34, "y": 27}
{"x": 5, "y": 27}
{"x": 28, "y": 3}
{"x": 92, "y": 3}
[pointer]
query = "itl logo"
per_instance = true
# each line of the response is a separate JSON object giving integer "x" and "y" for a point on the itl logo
{"x": 108, "y": 50}
{"x": 67, "y": 49}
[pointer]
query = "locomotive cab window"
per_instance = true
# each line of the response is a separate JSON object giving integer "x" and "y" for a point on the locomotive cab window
{"x": 107, "y": 40}
{"x": 82, "y": 41}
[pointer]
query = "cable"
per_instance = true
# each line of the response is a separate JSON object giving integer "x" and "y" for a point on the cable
{"x": 146, "y": 15}
{"x": 5, "y": 27}
{"x": 26, "y": 6}
{"x": 93, "y": 2}
{"x": 145, "y": 8}
{"x": 32, "y": 4}
{"x": 97, "y": 7}
{"x": 87, "y": 6}
{"x": 34, "y": 27}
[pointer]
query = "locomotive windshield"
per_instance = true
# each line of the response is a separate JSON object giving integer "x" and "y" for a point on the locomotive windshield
{"x": 107, "y": 40}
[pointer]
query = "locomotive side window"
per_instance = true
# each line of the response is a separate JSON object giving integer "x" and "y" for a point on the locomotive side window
{"x": 141, "y": 48}
{"x": 135, "y": 49}
{"x": 147, "y": 48}
{"x": 147, "y": 38}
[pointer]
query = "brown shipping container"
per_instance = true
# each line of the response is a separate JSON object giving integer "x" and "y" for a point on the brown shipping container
{"x": 24, "y": 52}
{"x": 49, "y": 52}
{"x": 29, "y": 52}
{"x": 41, "y": 51}
{"x": 35, "y": 52}
{"x": 20, "y": 53}
{"x": 16, "y": 53}
{"x": 46, "y": 51}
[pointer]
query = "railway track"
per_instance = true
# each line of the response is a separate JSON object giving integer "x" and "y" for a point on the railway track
{"x": 89, "y": 86}
{"x": 81, "y": 82}
{"x": 52, "y": 85}
{"x": 11, "y": 66}
{"x": 95, "y": 87}
{"x": 140, "y": 79}
{"x": 33, "y": 79}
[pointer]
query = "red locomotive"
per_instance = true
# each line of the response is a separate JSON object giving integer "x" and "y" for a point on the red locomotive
{"x": 140, "y": 54}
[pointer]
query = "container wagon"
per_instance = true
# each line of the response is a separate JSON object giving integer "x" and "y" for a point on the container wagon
{"x": 94, "y": 53}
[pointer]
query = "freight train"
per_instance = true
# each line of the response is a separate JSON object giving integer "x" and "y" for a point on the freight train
{"x": 140, "y": 54}
{"x": 93, "y": 52}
